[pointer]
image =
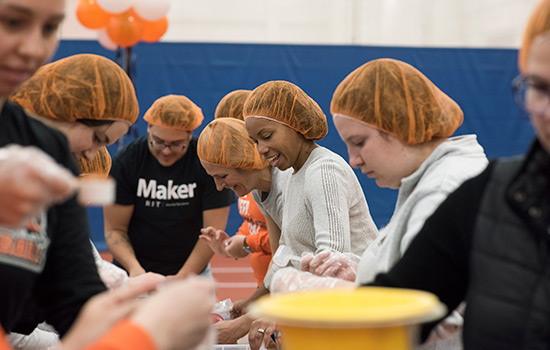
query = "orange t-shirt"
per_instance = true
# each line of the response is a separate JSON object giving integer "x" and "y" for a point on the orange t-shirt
{"x": 4, "y": 345}
{"x": 125, "y": 335}
{"x": 255, "y": 229}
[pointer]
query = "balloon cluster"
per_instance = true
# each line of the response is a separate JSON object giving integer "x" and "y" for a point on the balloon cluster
{"x": 124, "y": 22}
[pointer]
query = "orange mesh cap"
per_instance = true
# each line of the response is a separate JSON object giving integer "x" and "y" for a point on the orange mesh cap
{"x": 100, "y": 165}
{"x": 83, "y": 86}
{"x": 174, "y": 112}
{"x": 225, "y": 142}
{"x": 539, "y": 23}
{"x": 395, "y": 97}
{"x": 288, "y": 104}
{"x": 231, "y": 105}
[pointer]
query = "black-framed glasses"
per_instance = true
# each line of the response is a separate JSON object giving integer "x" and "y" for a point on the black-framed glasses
{"x": 531, "y": 95}
{"x": 174, "y": 147}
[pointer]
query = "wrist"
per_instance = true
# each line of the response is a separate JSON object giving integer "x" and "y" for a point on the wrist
{"x": 246, "y": 247}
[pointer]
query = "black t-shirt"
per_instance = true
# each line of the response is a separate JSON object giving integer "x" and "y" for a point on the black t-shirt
{"x": 51, "y": 264}
{"x": 168, "y": 204}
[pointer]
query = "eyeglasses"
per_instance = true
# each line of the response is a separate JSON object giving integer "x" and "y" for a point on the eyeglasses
{"x": 531, "y": 95}
{"x": 174, "y": 147}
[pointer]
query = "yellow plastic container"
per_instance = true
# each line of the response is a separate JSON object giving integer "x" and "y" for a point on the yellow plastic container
{"x": 361, "y": 319}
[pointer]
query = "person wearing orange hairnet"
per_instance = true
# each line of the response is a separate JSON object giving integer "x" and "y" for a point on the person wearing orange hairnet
{"x": 49, "y": 262}
{"x": 225, "y": 153}
{"x": 46, "y": 262}
{"x": 487, "y": 243}
{"x": 164, "y": 196}
{"x": 87, "y": 97}
{"x": 231, "y": 158}
{"x": 396, "y": 125}
{"x": 324, "y": 205}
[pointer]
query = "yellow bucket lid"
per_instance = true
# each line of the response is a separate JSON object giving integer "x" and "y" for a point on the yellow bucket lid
{"x": 363, "y": 307}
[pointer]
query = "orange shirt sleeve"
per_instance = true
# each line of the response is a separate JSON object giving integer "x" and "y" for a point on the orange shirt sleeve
{"x": 259, "y": 242}
{"x": 243, "y": 229}
{"x": 4, "y": 345}
{"x": 125, "y": 335}
{"x": 254, "y": 226}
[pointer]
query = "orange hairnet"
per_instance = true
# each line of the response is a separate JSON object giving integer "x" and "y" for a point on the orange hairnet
{"x": 225, "y": 142}
{"x": 397, "y": 98}
{"x": 174, "y": 112}
{"x": 82, "y": 86}
{"x": 290, "y": 105}
{"x": 539, "y": 23}
{"x": 231, "y": 105}
{"x": 100, "y": 165}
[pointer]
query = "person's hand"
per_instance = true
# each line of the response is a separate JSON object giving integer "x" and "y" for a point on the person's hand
{"x": 232, "y": 330}
{"x": 171, "y": 278}
{"x": 136, "y": 271}
{"x": 331, "y": 264}
{"x": 234, "y": 246}
{"x": 148, "y": 277}
{"x": 30, "y": 180}
{"x": 289, "y": 279}
{"x": 260, "y": 333}
{"x": 102, "y": 312}
{"x": 178, "y": 316}
{"x": 216, "y": 240}
{"x": 239, "y": 308}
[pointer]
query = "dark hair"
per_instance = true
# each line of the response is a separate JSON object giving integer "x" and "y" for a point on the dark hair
{"x": 95, "y": 122}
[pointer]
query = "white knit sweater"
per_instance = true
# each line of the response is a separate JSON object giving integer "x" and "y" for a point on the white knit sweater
{"x": 325, "y": 209}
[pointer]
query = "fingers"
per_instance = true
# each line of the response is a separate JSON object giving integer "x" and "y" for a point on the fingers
{"x": 260, "y": 333}
{"x": 221, "y": 235}
{"x": 209, "y": 231}
{"x": 139, "y": 286}
{"x": 318, "y": 260}
{"x": 306, "y": 261}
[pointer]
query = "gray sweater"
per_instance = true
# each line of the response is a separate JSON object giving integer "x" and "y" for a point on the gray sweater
{"x": 449, "y": 165}
{"x": 324, "y": 209}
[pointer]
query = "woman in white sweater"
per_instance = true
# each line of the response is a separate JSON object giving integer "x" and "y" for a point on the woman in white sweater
{"x": 324, "y": 207}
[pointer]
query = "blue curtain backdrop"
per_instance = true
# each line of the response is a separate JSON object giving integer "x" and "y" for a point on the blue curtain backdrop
{"x": 478, "y": 79}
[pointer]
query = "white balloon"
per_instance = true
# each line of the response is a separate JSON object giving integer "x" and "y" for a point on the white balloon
{"x": 105, "y": 40}
{"x": 115, "y": 6}
{"x": 152, "y": 10}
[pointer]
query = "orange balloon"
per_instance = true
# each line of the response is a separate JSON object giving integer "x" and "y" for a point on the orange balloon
{"x": 125, "y": 29}
{"x": 90, "y": 15}
{"x": 154, "y": 30}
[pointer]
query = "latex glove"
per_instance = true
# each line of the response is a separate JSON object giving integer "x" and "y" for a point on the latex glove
{"x": 112, "y": 275}
{"x": 331, "y": 264}
{"x": 291, "y": 280}
{"x": 216, "y": 240}
{"x": 30, "y": 180}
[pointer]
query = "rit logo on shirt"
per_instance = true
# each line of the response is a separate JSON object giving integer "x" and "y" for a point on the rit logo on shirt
{"x": 244, "y": 205}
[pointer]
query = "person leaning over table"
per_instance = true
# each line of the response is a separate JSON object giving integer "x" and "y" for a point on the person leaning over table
{"x": 164, "y": 196}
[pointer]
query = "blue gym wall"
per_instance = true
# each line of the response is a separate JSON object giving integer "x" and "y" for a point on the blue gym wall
{"x": 478, "y": 79}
